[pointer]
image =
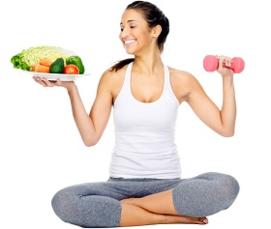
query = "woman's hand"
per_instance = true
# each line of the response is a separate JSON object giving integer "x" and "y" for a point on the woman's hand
{"x": 69, "y": 85}
{"x": 224, "y": 66}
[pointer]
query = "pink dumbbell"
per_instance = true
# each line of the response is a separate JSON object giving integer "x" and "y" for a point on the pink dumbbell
{"x": 210, "y": 64}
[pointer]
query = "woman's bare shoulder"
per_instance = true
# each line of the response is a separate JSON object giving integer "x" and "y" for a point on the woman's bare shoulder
{"x": 112, "y": 80}
{"x": 112, "y": 77}
{"x": 182, "y": 82}
{"x": 181, "y": 74}
{"x": 110, "y": 74}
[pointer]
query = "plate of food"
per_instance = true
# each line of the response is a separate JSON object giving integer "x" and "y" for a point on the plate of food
{"x": 50, "y": 62}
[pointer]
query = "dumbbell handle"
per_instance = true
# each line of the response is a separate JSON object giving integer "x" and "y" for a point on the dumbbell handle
{"x": 211, "y": 63}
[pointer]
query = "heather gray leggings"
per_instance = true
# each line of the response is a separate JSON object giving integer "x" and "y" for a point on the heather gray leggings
{"x": 97, "y": 204}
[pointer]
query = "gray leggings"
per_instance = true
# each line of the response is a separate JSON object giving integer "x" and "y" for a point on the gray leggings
{"x": 97, "y": 204}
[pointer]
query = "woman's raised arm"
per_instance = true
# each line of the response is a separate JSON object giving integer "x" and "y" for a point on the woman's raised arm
{"x": 221, "y": 120}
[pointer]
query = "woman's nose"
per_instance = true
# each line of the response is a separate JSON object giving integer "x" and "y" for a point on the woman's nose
{"x": 124, "y": 33}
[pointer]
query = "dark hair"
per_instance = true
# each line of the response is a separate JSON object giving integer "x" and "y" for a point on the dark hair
{"x": 154, "y": 16}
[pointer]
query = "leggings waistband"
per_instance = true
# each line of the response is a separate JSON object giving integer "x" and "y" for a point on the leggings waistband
{"x": 142, "y": 179}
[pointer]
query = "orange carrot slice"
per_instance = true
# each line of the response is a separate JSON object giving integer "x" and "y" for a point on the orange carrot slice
{"x": 41, "y": 68}
{"x": 45, "y": 62}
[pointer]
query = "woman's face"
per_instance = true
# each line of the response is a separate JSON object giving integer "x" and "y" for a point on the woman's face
{"x": 135, "y": 33}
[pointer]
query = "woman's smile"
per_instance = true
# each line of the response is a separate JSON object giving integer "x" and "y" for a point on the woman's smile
{"x": 129, "y": 43}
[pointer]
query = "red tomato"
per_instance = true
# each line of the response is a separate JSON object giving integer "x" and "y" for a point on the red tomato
{"x": 71, "y": 69}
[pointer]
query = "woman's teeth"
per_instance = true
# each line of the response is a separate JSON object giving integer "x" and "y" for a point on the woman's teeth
{"x": 129, "y": 42}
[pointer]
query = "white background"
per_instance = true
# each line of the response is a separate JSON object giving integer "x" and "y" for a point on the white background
{"x": 40, "y": 148}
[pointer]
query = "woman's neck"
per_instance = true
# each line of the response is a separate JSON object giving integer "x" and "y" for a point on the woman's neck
{"x": 149, "y": 64}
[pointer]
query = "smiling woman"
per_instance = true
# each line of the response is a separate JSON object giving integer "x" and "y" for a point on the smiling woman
{"x": 145, "y": 185}
{"x": 142, "y": 19}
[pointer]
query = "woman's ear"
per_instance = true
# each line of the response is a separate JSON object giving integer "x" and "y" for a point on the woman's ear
{"x": 156, "y": 30}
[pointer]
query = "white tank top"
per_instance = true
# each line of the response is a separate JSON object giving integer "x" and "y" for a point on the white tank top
{"x": 145, "y": 134}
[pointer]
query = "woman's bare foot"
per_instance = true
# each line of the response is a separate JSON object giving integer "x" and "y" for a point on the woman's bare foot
{"x": 185, "y": 219}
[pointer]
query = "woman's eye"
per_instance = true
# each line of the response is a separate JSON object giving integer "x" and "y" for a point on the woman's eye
{"x": 131, "y": 27}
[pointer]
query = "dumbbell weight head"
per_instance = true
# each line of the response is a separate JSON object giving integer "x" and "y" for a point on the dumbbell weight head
{"x": 210, "y": 63}
{"x": 237, "y": 64}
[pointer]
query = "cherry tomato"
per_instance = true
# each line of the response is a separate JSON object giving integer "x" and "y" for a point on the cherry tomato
{"x": 71, "y": 69}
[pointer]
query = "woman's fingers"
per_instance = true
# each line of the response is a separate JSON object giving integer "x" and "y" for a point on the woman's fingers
{"x": 47, "y": 83}
{"x": 58, "y": 82}
{"x": 221, "y": 60}
{"x": 227, "y": 62}
{"x": 51, "y": 83}
{"x": 38, "y": 80}
{"x": 224, "y": 67}
{"x": 224, "y": 61}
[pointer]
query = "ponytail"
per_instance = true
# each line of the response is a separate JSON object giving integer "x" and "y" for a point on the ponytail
{"x": 121, "y": 64}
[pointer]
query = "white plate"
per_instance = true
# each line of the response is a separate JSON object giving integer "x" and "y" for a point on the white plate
{"x": 55, "y": 76}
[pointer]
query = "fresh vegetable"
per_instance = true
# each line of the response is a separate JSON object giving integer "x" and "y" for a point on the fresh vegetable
{"x": 32, "y": 56}
{"x": 57, "y": 66}
{"x": 40, "y": 68}
{"x": 76, "y": 60}
{"x": 48, "y": 59}
{"x": 71, "y": 69}
{"x": 18, "y": 62}
{"x": 45, "y": 62}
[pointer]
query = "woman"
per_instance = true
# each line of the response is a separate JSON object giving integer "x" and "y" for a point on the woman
{"x": 144, "y": 186}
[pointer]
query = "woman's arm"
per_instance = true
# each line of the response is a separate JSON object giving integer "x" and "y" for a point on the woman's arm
{"x": 222, "y": 121}
{"x": 92, "y": 125}
{"x": 83, "y": 121}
